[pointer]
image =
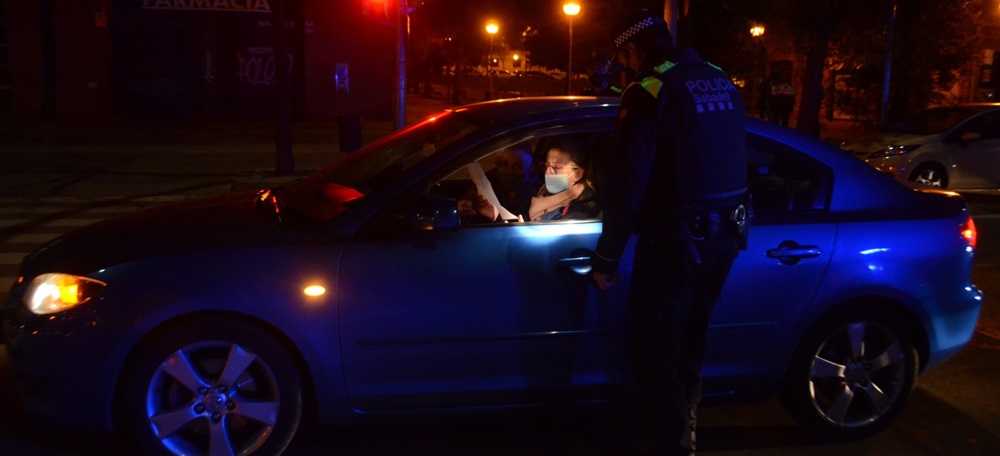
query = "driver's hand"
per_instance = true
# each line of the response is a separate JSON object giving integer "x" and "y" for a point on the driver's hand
{"x": 465, "y": 208}
{"x": 485, "y": 208}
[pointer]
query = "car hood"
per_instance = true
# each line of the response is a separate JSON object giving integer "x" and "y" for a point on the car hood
{"x": 865, "y": 145}
{"x": 230, "y": 220}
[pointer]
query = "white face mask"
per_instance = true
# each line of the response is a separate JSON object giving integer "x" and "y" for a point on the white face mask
{"x": 556, "y": 183}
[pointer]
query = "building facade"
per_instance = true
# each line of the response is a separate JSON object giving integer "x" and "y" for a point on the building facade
{"x": 93, "y": 60}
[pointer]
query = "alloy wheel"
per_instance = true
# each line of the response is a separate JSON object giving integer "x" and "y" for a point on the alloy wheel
{"x": 930, "y": 176}
{"x": 212, "y": 398}
{"x": 858, "y": 374}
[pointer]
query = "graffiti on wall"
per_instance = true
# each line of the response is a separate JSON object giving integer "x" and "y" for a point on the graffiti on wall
{"x": 257, "y": 66}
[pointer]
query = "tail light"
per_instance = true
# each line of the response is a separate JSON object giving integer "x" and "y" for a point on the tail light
{"x": 969, "y": 232}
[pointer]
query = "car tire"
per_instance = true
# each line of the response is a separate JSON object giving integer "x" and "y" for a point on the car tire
{"x": 850, "y": 377}
{"x": 932, "y": 175}
{"x": 211, "y": 378}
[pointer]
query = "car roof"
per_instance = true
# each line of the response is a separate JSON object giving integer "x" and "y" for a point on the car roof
{"x": 980, "y": 104}
{"x": 505, "y": 111}
{"x": 973, "y": 106}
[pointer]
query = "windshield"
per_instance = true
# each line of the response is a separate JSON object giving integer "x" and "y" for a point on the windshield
{"x": 324, "y": 195}
{"x": 932, "y": 121}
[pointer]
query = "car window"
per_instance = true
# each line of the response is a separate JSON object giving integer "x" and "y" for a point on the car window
{"x": 382, "y": 165}
{"x": 784, "y": 180}
{"x": 516, "y": 194}
{"x": 322, "y": 195}
{"x": 987, "y": 125}
{"x": 506, "y": 176}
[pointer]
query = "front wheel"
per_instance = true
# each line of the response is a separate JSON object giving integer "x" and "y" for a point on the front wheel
{"x": 850, "y": 379}
{"x": 930, "y": 175}
{"x": 212, "y": 387}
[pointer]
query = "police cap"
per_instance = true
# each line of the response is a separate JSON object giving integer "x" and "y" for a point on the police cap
{"x": 638, "y": 25}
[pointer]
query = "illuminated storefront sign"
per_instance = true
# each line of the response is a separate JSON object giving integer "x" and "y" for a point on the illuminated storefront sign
{"x": 249, "y": 6}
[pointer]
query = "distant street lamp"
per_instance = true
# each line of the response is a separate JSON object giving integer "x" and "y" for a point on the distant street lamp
{"x": 571, "y": 9}
{"x": 492, "y": 28}
{"x": 756, "y": 32}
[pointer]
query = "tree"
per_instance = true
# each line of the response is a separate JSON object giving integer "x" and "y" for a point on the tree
{"x": 815, "y": 27}
{"x": 933, "y": 42}
{"x": 720, "y": 31}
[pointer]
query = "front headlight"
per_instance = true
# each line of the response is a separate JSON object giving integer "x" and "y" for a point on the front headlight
{"x": 892, "y": 151}
{"x": 51, "y": 293}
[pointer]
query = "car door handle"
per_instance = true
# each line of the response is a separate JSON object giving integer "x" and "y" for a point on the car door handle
{"x": 578, "y": 264}
{"x": 790, "y": 252}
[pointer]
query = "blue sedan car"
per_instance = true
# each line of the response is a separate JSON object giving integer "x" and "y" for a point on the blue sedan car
{"x": 218, "y": 326}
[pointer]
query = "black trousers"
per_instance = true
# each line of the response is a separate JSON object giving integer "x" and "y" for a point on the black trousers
{"x": 676, "y": 281}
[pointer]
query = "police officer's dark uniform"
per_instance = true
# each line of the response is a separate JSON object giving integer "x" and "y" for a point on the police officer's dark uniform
{"x": 601, "y": 74}
{"x": 678, "y": 179}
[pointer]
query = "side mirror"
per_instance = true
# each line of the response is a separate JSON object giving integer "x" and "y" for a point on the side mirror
{"x": 432, "y": 212}
{"x": 968, "y": 137}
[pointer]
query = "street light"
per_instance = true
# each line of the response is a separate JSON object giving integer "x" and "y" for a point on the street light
{"x": 492, "y": 28}
{"x": 756, "y": 32}
{"x": 571, "y": 9}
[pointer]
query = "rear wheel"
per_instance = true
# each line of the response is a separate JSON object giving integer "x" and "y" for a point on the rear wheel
{"x": 850, "y": 378}
{"x": 212, "y": 387}
{"x": 930, "y": 174}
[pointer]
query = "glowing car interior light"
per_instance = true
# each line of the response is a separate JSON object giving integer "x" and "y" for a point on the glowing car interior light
{"x": 554, "y": 230}
{"x": 314, "y": 290}
{"x": 51, "y": 293}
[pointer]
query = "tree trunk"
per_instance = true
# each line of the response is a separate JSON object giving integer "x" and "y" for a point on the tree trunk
{"x": 883, "y": 112}
{"x": 811, "y": 98}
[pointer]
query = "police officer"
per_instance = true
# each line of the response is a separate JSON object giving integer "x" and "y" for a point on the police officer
{"x": 678, "y": 179}
{"x": 603, "y": 75}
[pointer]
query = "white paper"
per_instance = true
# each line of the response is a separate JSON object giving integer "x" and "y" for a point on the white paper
{"x": 484, "y": 188}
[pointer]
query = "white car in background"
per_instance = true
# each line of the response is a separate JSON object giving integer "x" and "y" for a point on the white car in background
{"x": 949, "y": 147}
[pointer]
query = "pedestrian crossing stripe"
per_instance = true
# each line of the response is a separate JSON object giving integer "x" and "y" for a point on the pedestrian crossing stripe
{"x": 75, "y": 222}
{"x": 10, "y": 200}
{"x": 28, "y": 223}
